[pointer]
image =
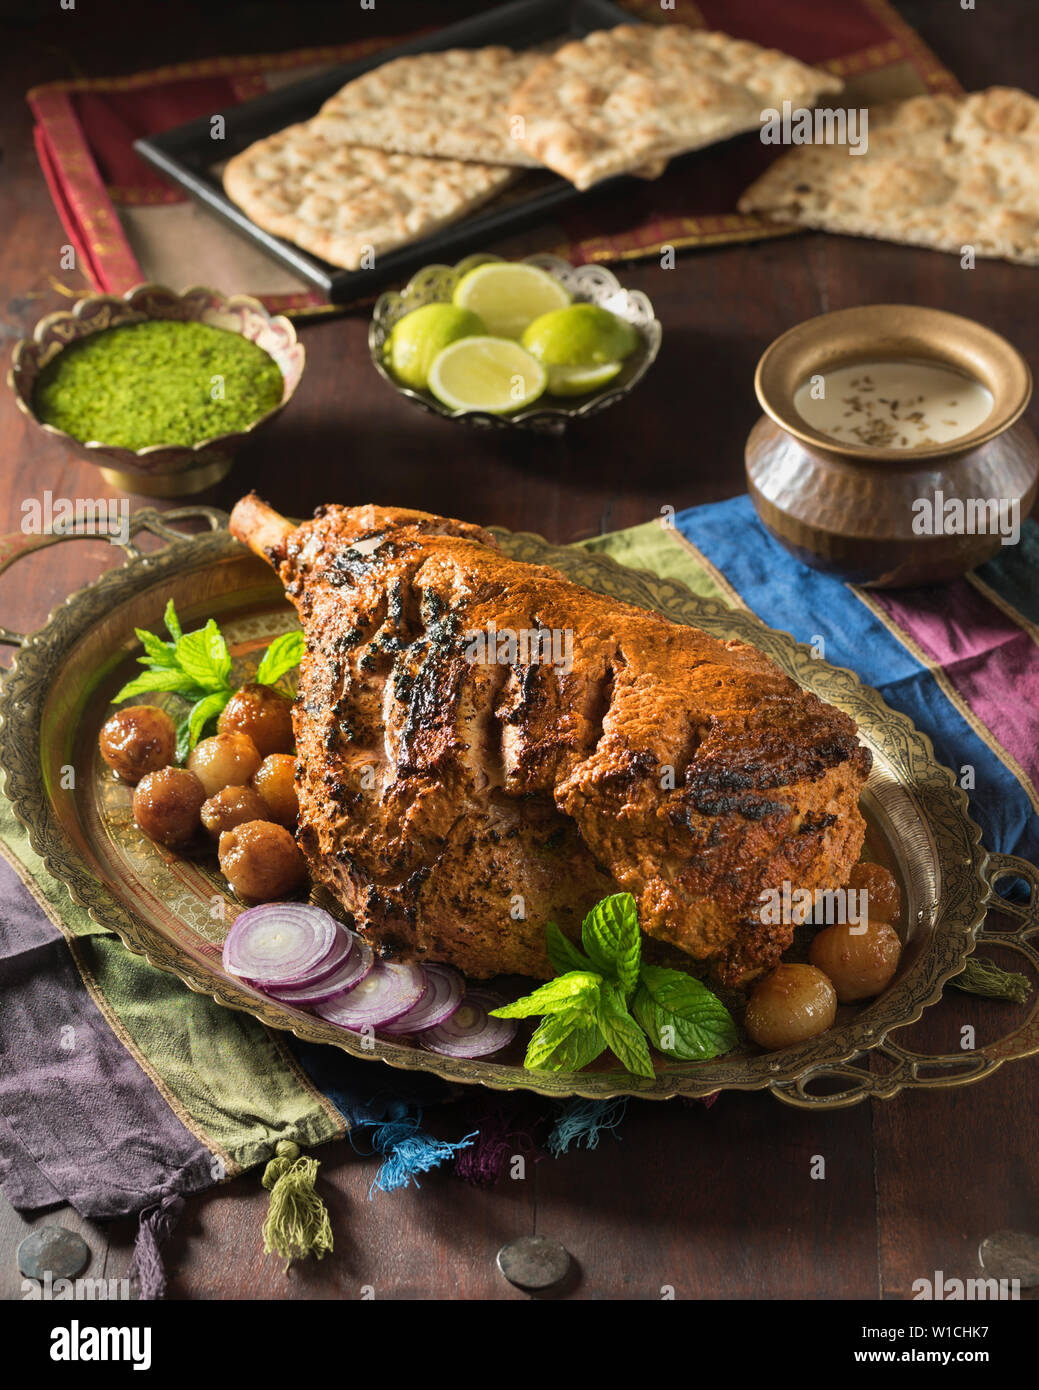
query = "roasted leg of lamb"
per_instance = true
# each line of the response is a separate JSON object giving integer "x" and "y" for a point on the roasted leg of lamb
{"x": 484, "y": 747}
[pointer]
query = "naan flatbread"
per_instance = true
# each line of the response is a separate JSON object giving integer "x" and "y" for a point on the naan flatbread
{"x": 339, "y": 201}
{"x": 453, "y": 104}
{"x": 622, "y": 97}
{"x": 939, "y": 171}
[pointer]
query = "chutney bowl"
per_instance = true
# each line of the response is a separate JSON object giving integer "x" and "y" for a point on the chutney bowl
{"x": 159, "y": 470}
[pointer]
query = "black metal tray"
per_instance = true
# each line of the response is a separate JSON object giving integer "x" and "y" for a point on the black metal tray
{"x": 185, "y": 154}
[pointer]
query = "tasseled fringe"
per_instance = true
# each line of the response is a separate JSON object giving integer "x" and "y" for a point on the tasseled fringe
{"x": 706, "y": 1101}
{"x": 983, "y": 976}
{"x": 497, "y": 1138}
{"x": 156, "y": 1225}
{"x": 297, "y": 1222}
{"x": 581, "y": 1122}
{"x": 409, "y": 1151}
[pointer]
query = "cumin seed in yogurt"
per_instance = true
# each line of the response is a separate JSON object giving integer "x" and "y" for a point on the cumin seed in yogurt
{"x": 893, "y": 405}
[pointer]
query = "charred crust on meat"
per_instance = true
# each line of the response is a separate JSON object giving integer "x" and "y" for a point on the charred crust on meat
{"x": 750, "y": 807}
{"x": 635, "y": 767}
{"x": 811, "y": 824}
{"x": 396, "y": 603}
{"x": 431, "y": 606}
{"x": 417, "y": 879}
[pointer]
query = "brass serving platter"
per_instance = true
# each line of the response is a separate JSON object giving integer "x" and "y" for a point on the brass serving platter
{"x": 175, "y": 910}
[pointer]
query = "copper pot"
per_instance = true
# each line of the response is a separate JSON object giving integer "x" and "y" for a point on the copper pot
{"x": 848, "y": 509}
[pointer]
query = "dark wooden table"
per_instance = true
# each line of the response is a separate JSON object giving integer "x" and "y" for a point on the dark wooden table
{"x": 715, "y": 1203}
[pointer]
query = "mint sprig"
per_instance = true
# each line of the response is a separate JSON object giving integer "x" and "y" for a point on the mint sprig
{"x": 284, "y": 653}
{"x": 610, "y": 936}
{"x": 604, "y": 997}
{"x": 578, "y": 990}
{"x": 562, "y": 952}
{"x": 197, "y": 667}
{"x": 624, "y": 1037}
{"x": 681, "y": 1016}
{"x": 564, "y": 1042}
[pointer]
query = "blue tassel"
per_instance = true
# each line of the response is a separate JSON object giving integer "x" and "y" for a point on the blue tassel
{"x": 581, "y": 1121}
{"x": 409, "y": 1151}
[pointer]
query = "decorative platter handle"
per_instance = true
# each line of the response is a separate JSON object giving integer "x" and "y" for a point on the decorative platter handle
{"x": 909, "y": 1070}
{"x": 17, "y": 545}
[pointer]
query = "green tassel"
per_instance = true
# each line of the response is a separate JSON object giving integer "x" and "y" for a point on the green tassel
{"x": 297, "y": 1223}
{"x": 981, "y": 976}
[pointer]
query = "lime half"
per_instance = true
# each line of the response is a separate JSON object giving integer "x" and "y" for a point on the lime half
{"x": 508, "y": 295}
{"x": 578, "y": 381}
{"x": 492, "y": 374}
{"x": 419, "y": 336}
{"x": 582, "y": 335}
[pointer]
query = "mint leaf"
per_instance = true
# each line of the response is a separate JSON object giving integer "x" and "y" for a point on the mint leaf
{"x": 562, "y": 952}
{"x": 624, "y": 1037}
{"x": 202, "y": 711}
{"x": 682, "y": 1017}
{"x": 204, "y": 656}
{"x": 564, "y": 1042}
{"x": 183, "y": 734}
{"x": 282, "y": 655}
{"x": 217, "y": 649}
{"x": 171, "y": 621}
{"x": 157, "y": 652}
{"x": 150, "y": 681}
{"x": 610, "y": 935}
{"x": 579, "y": 989}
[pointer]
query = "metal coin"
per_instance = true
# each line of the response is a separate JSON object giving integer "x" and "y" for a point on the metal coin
{"x": 533, "y": 1262}
{"x": 1011, "y": 1255}
{"x": 53, "y": 1248}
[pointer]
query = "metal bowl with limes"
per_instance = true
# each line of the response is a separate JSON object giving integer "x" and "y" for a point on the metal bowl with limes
{"x": 587, "y": 284}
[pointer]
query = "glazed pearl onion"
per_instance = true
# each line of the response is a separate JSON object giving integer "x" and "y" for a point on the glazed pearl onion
{"x": 883, "y": 897}
{"x": 792, "y": 1003}
{"x": 225, "y": 760}
{"x": 859, "y": 963}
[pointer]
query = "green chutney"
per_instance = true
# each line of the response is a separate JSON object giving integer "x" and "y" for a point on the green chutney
{"x": 157, "y": 382}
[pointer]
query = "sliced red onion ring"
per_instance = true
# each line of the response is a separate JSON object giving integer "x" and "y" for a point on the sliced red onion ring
{"x": 335, "y": 960}
{"x": 441, "y": 999}
{"x": 352, "y": 971}
{"x": 278, "y": 943}
{"x": 386, "y": 993}
{"x": 470, "y": 1031}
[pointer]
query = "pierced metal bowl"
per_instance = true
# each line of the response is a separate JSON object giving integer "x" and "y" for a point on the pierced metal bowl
{"x": 161, "y": 470}
{"x": 587, "y": 284}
